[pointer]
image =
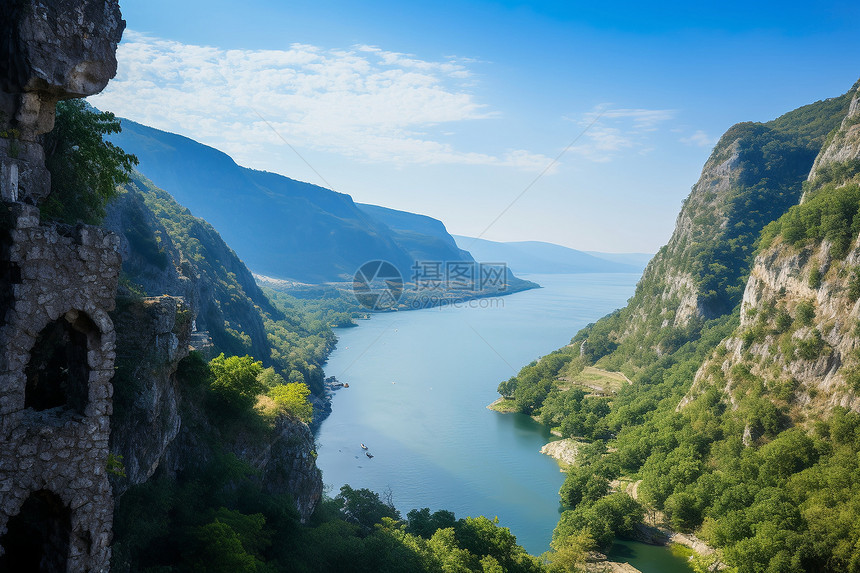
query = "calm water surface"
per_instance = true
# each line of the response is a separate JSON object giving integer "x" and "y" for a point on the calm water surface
{"x": 420, "y": 382}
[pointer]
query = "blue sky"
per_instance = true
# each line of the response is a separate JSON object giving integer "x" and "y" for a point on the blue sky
{"x": 452, "y": 109}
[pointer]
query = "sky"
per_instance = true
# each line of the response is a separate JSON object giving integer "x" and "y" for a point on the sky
{"x": 581, "y": 124}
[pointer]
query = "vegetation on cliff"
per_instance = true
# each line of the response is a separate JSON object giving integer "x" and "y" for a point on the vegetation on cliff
{"x": 736, "y": 459}
{"x": 85, "y": 169}
{"x": 173, "y": 252}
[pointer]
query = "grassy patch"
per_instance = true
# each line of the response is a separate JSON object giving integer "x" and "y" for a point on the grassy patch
{"x": 599, "y": 380}
{"x": 504, "y": 405}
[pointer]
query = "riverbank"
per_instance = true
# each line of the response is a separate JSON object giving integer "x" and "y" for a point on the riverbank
{"x": 564, "y": 451}
{"x": 654, "y": 531}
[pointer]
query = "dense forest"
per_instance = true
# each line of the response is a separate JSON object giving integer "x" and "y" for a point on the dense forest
{"x": 721, "y": 431}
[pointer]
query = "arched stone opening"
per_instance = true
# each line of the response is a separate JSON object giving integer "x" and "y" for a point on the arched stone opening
{"x": 58, "y": 371}
{"x": 38, "y": 538}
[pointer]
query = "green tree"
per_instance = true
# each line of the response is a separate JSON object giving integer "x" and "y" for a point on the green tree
{"x": 221, "y": 551}
{"x": 85, "y": 169}
{"x": 364, "y": 507}
{"x": 235, "y": 381}
{"x": 293, "y": 399}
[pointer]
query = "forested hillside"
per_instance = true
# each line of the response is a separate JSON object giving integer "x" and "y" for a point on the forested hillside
{"x": 169, "y": 251}
{"x": 741, "y": 421}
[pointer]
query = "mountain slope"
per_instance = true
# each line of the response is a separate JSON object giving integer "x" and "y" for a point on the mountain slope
{"x": 742, "y": 421}
{"x": 539, "y": 257}
{"x": 754, "y": 174}
{"x": 280, "y": 227}
{"x": 423, "y": 237}
{"x": 799, "y": 316}
{"x": 166, "y": 250}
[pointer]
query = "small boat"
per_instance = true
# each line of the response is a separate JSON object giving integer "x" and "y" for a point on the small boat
{"x": 363, "y": 447}
{"x": 368, "y": 454}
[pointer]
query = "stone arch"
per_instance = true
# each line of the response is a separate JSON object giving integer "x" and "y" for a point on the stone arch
{"x": 58, "y": 370}
{"x": 39, "y": 537}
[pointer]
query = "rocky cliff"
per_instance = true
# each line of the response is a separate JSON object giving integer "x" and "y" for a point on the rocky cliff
{"x": 754, "y": 174}
{"x": 799, "y": 318}
{"x": 160, "y": 421}
{"x": 152, "y": 337}
{"x": 168, "y": 251}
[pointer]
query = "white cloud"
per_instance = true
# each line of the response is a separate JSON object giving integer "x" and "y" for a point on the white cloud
{"x": 609, "y": 131}
{"x": 700, "y": 138}
{"x": 365, "y": 103}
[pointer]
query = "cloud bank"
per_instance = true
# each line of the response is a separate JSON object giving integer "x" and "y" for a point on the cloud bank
{"x": 365, "y": 103}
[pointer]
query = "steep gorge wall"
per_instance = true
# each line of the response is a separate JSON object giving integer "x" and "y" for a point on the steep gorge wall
{"x": 754, "y": 174}
{"x": 160, "y": 422}
{"x": 798, "y": 337}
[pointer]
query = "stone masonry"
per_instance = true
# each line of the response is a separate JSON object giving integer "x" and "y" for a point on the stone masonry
{"x": 62, "y": 274}
{"x": 57, "y": 285}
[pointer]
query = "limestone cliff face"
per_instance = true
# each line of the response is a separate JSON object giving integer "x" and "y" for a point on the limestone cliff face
{"x": 152, "y": 338}
{"x": 844, "y": 144}
{"x": 798, "y": 337}
{"x": 703, "y": 215}
{"x": 754, "y": 175}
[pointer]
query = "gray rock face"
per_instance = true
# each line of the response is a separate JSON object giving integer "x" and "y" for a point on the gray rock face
{"x": 55, "y": 390}
{"x": 53, "y": 50}
{"x": 50, "y": 50}
{"x": 152, "y": 337}
{"x": 844, "y": 145}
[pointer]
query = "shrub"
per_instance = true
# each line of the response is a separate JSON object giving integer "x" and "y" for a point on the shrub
{"x": 234, "y": 381}
{"x": 805, "y": 313}
{"x": 85, "y": 169}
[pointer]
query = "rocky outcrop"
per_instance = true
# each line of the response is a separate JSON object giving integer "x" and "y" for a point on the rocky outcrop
{"x": 50, "y": 50}
{"x": 753, "y": 176}
{"x": 799, "y": 314}
{"x": 152, "y": 337}
{"x": 844, "y": 144}
{"x": 159, "y": 424}
{"x": 564, "y": 451}
{"x": 286, "y": 463}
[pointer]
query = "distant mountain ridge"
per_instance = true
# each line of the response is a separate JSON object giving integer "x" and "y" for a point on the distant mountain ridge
{"x": 281, "y": 227}
{"x": 549, "y": 258}
{"x": 424, "y": 237}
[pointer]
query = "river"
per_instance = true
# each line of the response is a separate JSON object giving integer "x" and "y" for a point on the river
{"x": 419, "y": 383}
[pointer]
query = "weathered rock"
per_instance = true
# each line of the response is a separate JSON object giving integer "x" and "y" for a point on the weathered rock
{"x": 52, "y": 50}
{"x": 564, "y": 451}
{"x": 152, "y": 337}
{"x": 844, "y": 145}
{"x": 779, "y": 283}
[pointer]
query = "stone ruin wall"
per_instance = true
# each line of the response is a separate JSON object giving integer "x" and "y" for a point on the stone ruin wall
{"x": 59, "y": 275}
{"x": 57, "y": 285}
